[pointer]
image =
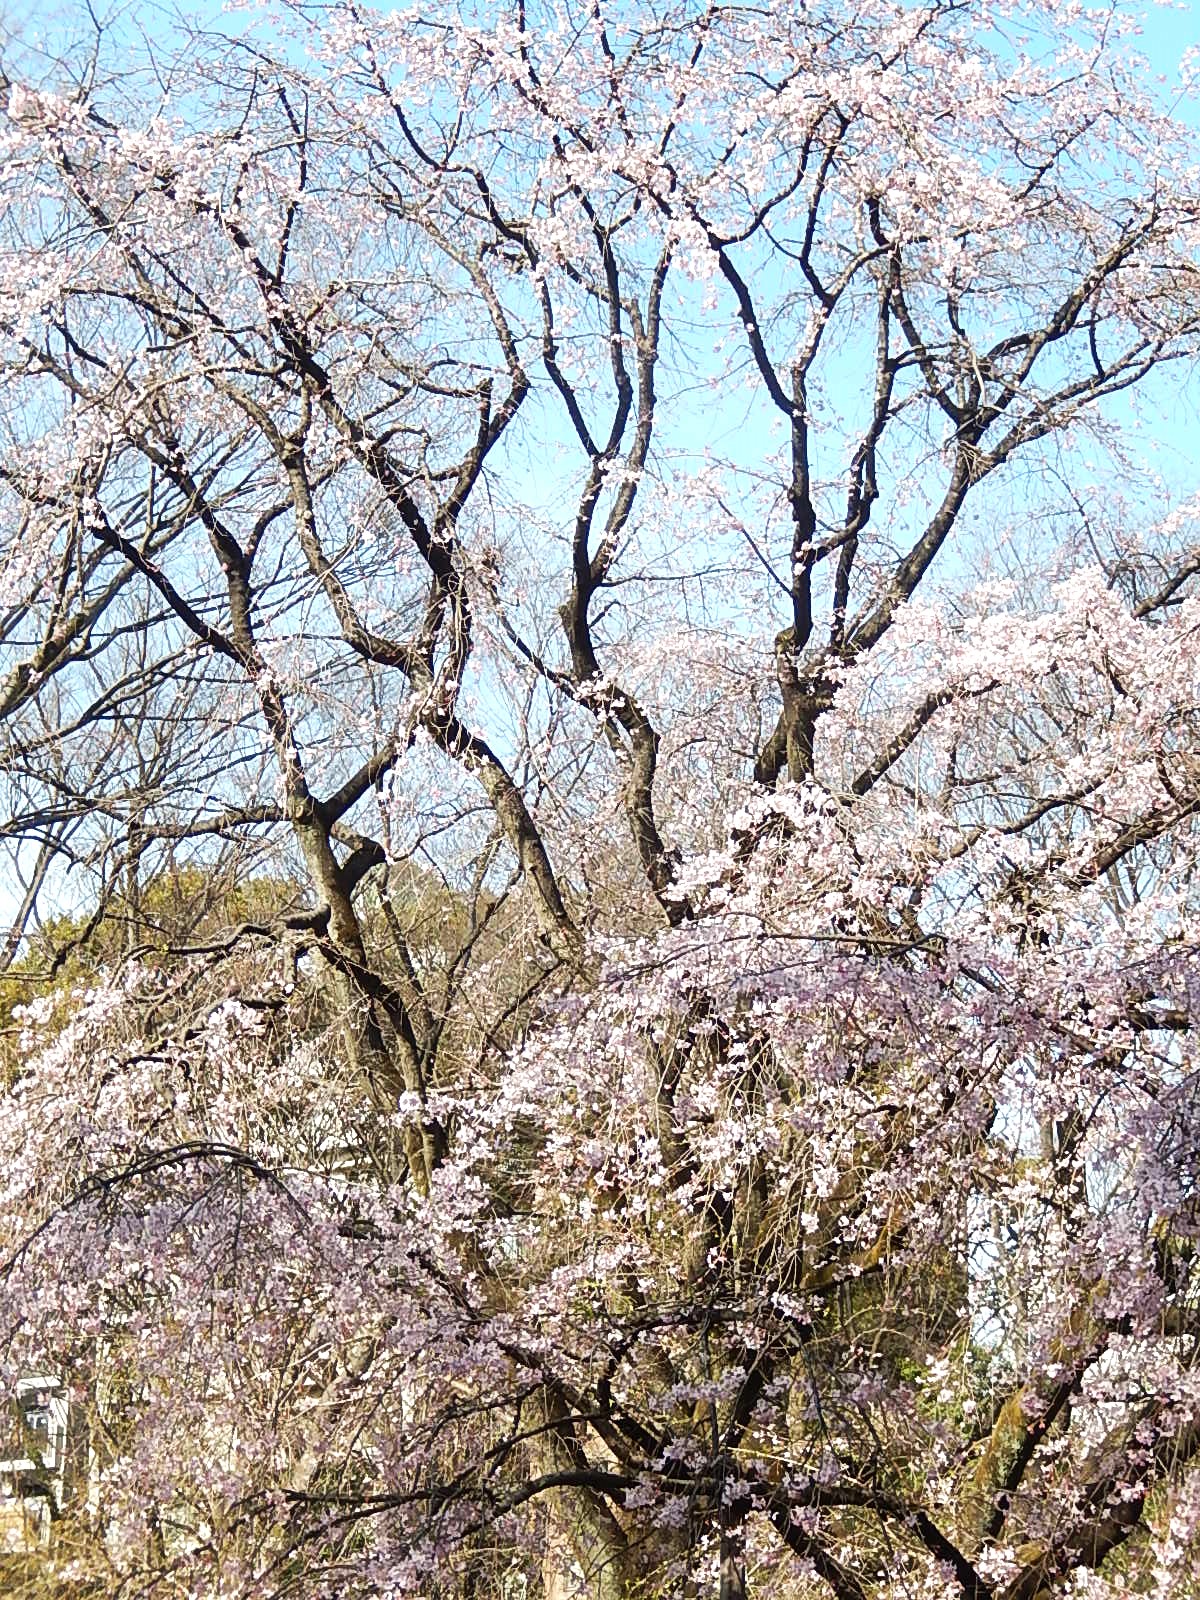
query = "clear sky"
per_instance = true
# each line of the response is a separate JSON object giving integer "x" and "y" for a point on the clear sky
{"x": 1165, "y": 414}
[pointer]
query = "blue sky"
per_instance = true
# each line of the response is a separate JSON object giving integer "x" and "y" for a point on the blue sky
{"x": 1166, "y": 411}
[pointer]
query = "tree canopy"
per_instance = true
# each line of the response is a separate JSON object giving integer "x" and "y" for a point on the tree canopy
{"x": 599, "y": 754}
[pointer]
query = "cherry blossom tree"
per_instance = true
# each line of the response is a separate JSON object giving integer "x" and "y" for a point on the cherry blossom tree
{"x": 567, "y": 533}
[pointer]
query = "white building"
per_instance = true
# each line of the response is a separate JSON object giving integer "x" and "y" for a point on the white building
{"x": 32, "y": 1477}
